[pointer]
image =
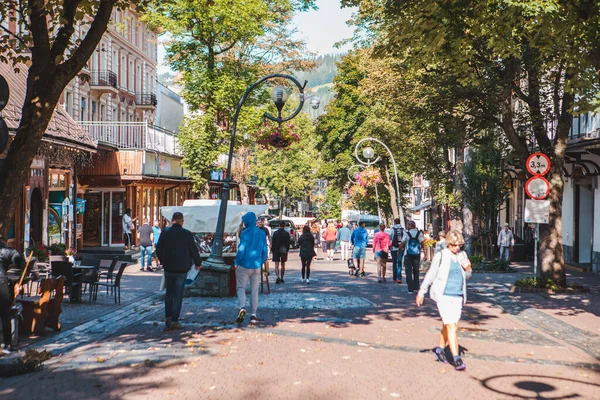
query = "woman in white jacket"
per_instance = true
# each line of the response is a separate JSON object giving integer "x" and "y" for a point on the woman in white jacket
{"x": 450, "y": 269}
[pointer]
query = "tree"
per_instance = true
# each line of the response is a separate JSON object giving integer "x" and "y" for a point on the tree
{"x": 485, "y": 188}
{"x": 55, "y": 55}
{"x": 524, "y": 67}
{"x": 288, "y": 173}
{"x": 221, "y": 47}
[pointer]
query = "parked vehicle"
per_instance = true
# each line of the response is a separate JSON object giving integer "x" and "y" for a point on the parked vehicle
{"x": 289, "y": 228}
{"x": 371, "y": 223}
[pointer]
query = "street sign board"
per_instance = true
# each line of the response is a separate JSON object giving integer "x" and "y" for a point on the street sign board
{"x": 537, "y": 187}
{"x": 537, "y": 211}
{"x": 538, "y": 164}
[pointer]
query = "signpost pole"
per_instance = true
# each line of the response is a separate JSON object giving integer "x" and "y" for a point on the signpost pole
{"x": 536, "y": 234}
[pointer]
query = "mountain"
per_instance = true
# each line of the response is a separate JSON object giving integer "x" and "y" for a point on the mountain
{"x": 320, "y": 79}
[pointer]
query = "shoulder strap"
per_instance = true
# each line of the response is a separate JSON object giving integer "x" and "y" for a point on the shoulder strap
{"x": 409, "y": 235}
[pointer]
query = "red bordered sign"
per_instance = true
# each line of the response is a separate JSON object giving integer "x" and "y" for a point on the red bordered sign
{"x": 538, "y": 164}
{"x": 537, "y": 188}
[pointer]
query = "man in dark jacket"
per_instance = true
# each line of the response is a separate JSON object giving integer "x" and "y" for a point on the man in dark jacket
{"x": 176, "y": 250}
{"x": 8, "y": 257}
{"x": 280, "y": 246}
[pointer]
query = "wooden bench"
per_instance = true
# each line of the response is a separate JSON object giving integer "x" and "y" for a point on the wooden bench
{"x": 43, "y": 310}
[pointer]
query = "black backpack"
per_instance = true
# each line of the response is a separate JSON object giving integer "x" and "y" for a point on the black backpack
{"x": 398, "y": 234}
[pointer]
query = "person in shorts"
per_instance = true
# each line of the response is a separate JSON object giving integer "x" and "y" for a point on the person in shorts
{"x": 447, "y": 277}
{"x": 280, "y": 246}
{"x": 360, "y": 240}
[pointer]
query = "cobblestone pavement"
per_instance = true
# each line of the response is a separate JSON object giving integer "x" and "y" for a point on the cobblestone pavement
{"x": 337, "y": 338}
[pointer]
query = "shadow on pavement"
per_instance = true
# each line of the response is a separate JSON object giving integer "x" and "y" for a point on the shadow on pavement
{"x": 538, "y": 387}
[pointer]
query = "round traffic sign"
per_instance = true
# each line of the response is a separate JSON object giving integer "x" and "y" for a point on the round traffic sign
{"x": 537, "y": 187}
{"x": 538, "y": 164}
{"x": 4, "y": 92}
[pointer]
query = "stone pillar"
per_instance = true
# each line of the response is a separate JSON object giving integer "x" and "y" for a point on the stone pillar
{"x": 212, "y": 282}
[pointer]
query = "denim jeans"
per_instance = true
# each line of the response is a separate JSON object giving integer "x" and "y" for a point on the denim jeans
{"x": 175, "y": 284}
{"x": 146, "y": 252}
{"x": 396, "y": 265}
{"x": 504, "y": 252}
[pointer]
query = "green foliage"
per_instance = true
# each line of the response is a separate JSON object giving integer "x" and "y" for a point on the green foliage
{"x": 540, "y": 283}
{"x": 330, "y": 209}
{"x": 201, "y": 143}
{"x": 40, "y": 252}
{"x": 476, "y": 260}
{"x": 58, "y": 249}
{"x": 485, "y": 188}
{"x": 288, "y": 173}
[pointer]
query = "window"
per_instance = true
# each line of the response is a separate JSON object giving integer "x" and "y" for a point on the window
{"x": 83, "y": 109}
{"x": 68, "y": 103}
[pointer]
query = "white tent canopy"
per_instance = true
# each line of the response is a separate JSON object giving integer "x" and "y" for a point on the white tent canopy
{"x": 203, "y": 218}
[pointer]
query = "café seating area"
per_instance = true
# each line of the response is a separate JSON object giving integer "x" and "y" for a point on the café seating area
{"x": 47, "y": 284}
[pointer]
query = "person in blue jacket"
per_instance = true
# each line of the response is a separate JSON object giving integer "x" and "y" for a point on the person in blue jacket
{"x": 251, "y": 255}
{"x": 360, "y": 239}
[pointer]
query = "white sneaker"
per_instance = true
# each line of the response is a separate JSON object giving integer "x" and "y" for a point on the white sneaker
{"x": 307, "y": 281}
{"x": 303, "y": 280}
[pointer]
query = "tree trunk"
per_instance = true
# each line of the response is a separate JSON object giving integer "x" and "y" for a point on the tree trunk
{"x": 390, "y": 187}
{"x": 551, "y": 250}
{"x": 35, "y": 117}
{"x": 244, "y": 192}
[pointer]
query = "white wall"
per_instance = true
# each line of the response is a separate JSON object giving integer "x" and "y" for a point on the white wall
{"x": 568, "y": 222}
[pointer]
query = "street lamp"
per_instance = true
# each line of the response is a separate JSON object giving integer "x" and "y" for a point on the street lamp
{"x": 315, "y": 102}
{"x": 369, "y": 153}
{"x": 279, "y": 95}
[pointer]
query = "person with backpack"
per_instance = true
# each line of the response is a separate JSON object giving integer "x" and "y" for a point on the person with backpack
{"x": 413, "y": 243}
{"x": 396, "y": 235}
{"x": 306, "y": 242}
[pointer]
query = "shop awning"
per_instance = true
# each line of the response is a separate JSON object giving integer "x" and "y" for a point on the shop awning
{"x": 421, "y": 206}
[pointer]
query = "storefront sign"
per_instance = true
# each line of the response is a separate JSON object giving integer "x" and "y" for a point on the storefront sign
{"x": 537, "y": 211}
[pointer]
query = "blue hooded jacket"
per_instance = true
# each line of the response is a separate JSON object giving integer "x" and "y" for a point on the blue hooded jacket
{"x": 252, "y": 250}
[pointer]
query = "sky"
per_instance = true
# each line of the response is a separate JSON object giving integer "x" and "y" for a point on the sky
{"x": 324, "y": 27}
{"x": 321, "y": 29}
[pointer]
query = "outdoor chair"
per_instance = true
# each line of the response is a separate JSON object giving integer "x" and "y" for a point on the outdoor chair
{"x": 264, "y": 278}
{"x": 115, "y": 286}
{"x": 44, "y": 310}
{"x": 109, "y": 273}
{"x": 88, "y": 275}
{"x": 72, "y": 280}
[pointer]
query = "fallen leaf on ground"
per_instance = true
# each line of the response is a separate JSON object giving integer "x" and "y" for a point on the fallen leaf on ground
{"x": 100, "y": 359}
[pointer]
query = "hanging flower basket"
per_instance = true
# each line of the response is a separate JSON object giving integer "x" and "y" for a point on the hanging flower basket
{"x": 279, "y": 136}
{"x": 368, "y": 177}
{"x": 357, "y": 191}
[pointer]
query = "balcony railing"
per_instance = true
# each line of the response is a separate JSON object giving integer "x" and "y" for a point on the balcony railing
{"x": 103, "y": 78}
{"x": 145, "y": 99}
{"x": 133, "y": 136}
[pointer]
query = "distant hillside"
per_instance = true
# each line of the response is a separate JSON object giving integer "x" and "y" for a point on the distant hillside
{"x": 320, "y": 79}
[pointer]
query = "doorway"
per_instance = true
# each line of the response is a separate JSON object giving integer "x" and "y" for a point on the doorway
{"x": 584, "y": 219}
{"x": 102, "y": 219}
{"x": 36, "y": 216}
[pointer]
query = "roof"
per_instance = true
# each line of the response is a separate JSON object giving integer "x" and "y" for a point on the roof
{"x": 61, "y": 127}
{"x": 421, "y": 206}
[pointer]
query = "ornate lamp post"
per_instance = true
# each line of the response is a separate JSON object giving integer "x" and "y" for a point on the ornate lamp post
{"x": 369, "y": 154}
{"x": 279, "y": 95}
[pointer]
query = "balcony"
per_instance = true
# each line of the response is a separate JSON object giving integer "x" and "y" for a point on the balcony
{"x": 104, "y": 81}
{"x": 133, "y": 136}
{"x": 145, "y": 100}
